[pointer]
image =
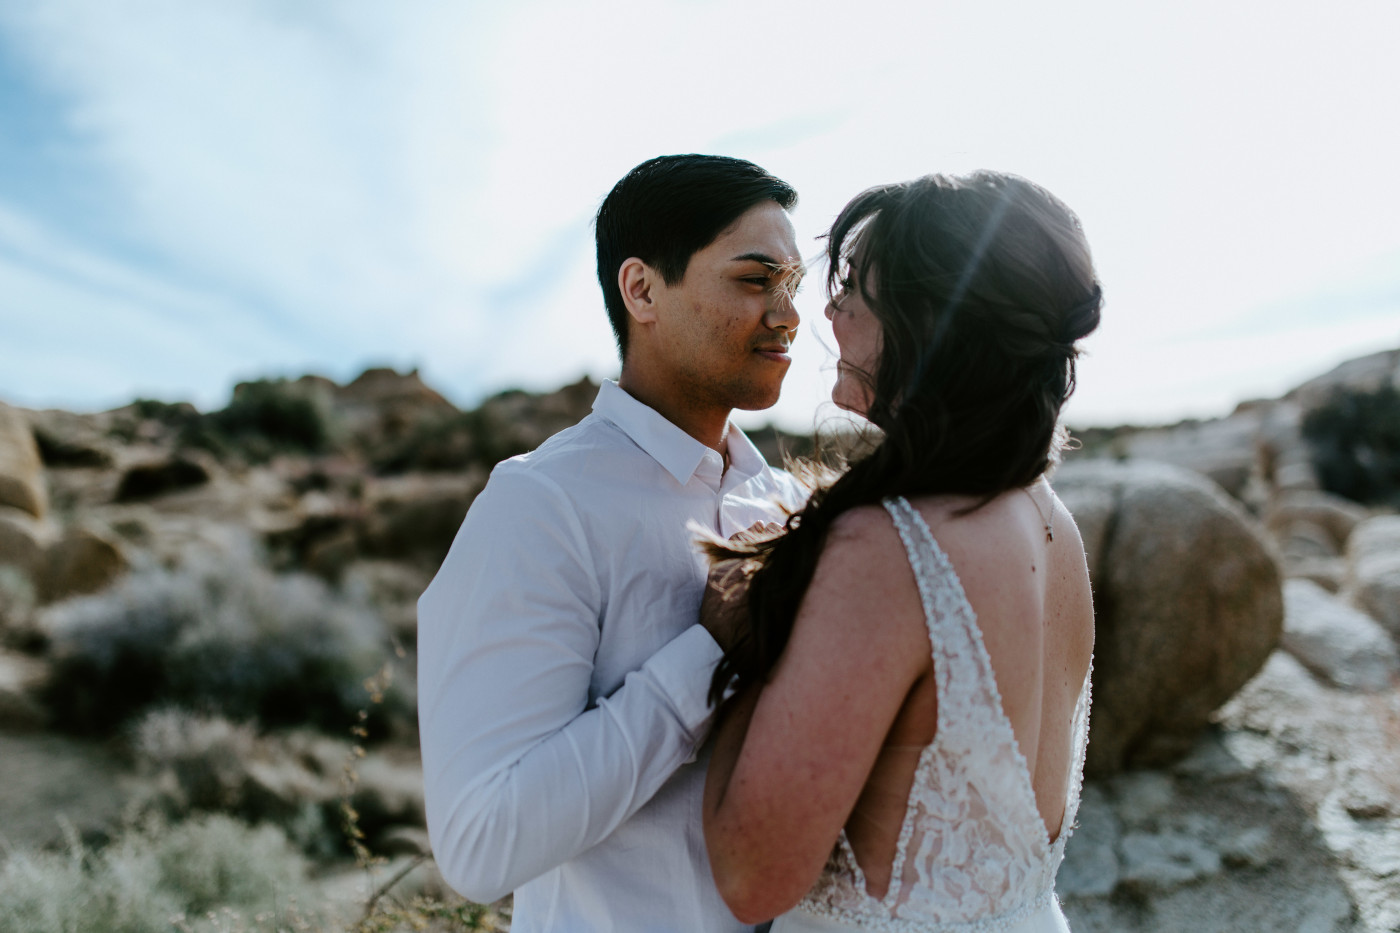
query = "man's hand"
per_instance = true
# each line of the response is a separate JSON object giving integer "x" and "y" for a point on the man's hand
{"x": 724, "y": 609}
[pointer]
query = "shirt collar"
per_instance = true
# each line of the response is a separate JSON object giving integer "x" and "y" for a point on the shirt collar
{"x": 677, "y": 452}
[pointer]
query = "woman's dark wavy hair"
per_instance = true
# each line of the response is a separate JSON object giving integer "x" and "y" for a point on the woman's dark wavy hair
{"x": 981, "y": 284}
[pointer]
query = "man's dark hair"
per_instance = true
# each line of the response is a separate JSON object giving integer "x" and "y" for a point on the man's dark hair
{"x": 668, "y": 209}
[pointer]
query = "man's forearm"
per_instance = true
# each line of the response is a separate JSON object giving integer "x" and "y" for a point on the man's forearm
{"x": 500, "y": 814}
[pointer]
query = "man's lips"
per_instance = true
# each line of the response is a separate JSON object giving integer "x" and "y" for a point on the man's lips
{"x": 777, "y": 351}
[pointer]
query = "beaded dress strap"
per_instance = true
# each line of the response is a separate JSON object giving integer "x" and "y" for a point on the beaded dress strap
{"x": 931, "y": 566}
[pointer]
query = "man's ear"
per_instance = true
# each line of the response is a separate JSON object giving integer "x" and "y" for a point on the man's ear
{"x": 636, "y": 280}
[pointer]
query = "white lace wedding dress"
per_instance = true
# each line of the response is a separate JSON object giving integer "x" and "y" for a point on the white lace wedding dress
{"x": 973, "y": 853}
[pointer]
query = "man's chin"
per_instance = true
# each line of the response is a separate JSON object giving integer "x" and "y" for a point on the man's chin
{"x": 757, "y": 401}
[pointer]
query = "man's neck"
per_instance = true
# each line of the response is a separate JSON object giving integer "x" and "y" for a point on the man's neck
{"x": 709, "y": 426}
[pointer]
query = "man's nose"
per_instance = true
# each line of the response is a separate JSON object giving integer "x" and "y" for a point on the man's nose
{"x": 782, "y": 313}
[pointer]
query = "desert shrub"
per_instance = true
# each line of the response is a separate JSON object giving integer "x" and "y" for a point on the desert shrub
{"x": 158, "y": 879}
{"x": 264, "y": 417}
{"x": 64, "y": 893}
{"x": 430, "y": 915}
{"x": 215, "y": 861}
{"x": 196, "y": 763}
{"x": 204, "y": 757}
{"x": 171, "y": 413}
{"x": 131, "y": 422}
{"x": 218, "y": 635}
{"x": 1355, "y": 441}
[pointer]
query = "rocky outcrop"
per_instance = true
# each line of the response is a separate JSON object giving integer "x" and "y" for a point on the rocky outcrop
{"x": 1258, "y": 450}
{"x": 416, "y": 517}
{"x": 68, "y": 440}
{"x": 1284, "y": 816}
{"x": 156, "y": 478}
{"x": 1188, "y": 604}
{"x": 1314, "y": 511}
{"x": 79, "y": 563}
{"x": 1363, "y": 374}
{"x": 1333, "y": 752}
{"x": 21, "y": 470}
{"x": 1250, "y": 453}
{"x": 21, "y": 542}
{"x": 1336, "y": 641}
{"x": 381, "y": 389}
{"x": 410, "y": 518}
{"x": 50, "y": 565}
{"x": 1373, "y": 570}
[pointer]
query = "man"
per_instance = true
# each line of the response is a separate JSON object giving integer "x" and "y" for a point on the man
{"x": 562, "y": 675}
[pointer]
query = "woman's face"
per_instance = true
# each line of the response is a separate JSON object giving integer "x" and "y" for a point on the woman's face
{"x": 857, "y": 332}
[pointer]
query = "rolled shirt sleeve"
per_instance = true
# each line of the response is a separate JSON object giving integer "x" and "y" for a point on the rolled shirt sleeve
{"x": 520, "y": 773}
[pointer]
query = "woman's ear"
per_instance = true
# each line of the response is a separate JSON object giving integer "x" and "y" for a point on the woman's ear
{"x": 636, "y": 280}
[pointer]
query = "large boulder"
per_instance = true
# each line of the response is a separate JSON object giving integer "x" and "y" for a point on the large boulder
{"x": 54, "y": 567}
{"x": 21, "y": 471}
{"x": 1373, "y": 570}
{"x": 1188, "y": 604}
{"x": 79, "y": 563}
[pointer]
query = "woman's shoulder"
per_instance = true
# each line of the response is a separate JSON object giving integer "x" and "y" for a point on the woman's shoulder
{"x": 865, "y": 533}
{"x": 863, "y": 521}
{"x": 863, "y": 552}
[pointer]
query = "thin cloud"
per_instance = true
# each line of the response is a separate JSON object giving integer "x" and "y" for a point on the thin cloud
{"x": 327, "y": 186}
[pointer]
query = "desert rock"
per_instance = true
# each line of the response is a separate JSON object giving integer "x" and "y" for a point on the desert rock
{"x": 21, "y": 470}
{"x": 1336, "y": 641}
{"x": 148, "y": 480}
{"x": 1188, "y": 604}
{"x": 21, "y": 544}
{"x": 81, "y": 562}
{"x": 1373, "y": 571}
{"x": 1337, "y": 517}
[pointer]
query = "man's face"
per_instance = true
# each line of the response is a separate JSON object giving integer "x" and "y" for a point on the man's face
{"x": 723, "y": 331}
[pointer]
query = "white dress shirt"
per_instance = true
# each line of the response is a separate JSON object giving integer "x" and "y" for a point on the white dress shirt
{"x": 562, "y": 677}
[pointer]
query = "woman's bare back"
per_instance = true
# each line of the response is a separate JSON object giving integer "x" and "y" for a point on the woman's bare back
{"x": 1032, "y": 602}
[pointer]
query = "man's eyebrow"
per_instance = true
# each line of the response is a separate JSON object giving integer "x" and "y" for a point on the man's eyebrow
{"x": 788, "y": 267}
{"x": 759, "y": 257}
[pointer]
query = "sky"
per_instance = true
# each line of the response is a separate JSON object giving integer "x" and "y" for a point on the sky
{"x": 197, "y": 194}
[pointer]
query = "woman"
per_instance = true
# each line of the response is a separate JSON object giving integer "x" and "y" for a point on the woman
{"x": 903, "y": 745}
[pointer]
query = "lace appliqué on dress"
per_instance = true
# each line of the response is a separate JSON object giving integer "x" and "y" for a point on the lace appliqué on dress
{"x": 973, "y": 853}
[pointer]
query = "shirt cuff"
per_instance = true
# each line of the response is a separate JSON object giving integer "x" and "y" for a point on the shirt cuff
{"x": 684, "y": 668}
